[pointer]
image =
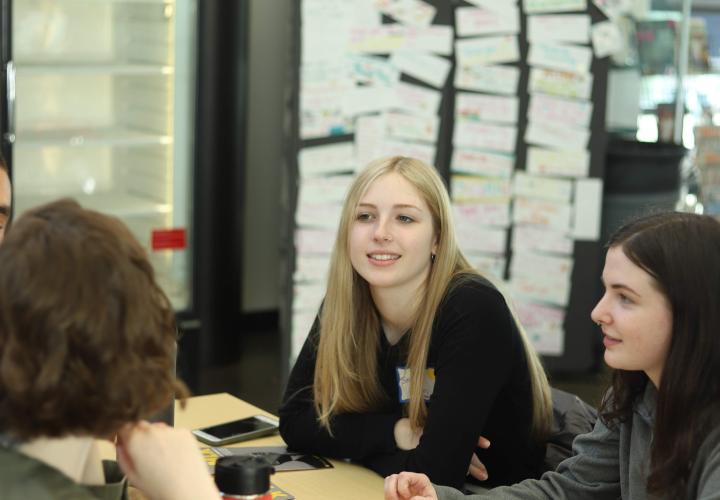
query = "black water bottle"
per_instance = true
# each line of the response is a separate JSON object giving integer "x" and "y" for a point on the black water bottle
{"x": 244, "y": 477}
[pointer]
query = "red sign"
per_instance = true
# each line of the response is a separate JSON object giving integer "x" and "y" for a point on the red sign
{"x": 168, "y": 239}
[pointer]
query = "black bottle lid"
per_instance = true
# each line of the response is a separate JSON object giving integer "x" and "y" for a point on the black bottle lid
{"x": 243, "y": 475}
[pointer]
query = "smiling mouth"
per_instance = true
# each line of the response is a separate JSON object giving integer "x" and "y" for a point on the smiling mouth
{"x": 383, "y": 257}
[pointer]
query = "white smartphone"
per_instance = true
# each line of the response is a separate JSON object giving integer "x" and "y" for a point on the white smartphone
{"x": 237, "y": 430}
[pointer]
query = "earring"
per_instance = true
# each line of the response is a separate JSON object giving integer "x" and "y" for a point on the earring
{"x": 432, "y": 258}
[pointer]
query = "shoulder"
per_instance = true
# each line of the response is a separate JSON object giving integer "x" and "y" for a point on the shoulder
{"x": 474, "y": 308}
{"x": 471, "y": 290}
{"x": 23, "y": 477}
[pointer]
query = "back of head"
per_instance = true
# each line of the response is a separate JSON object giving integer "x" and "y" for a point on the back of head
{"x": 87, "y": 338}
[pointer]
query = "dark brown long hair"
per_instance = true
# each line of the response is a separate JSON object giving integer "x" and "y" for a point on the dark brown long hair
{"x": 682, "y": 253}
{"x": 87, "y": 337}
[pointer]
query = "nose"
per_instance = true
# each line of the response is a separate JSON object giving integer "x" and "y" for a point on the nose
{"x": 382, "y": 230}
{"x": 600, "y": 314}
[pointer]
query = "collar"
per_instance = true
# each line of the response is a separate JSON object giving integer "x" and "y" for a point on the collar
{"x": 646, "y": 405}
{"x": 75, "y": 456}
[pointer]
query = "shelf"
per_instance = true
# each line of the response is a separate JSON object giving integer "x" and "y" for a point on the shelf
{"x": 116, "y": 204}
{"x": 63, "y": 68}
{"x": 75, "y": 138}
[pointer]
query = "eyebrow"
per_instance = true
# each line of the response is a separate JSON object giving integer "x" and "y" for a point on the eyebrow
{"x": 620, "y": 286}
{"x": 399, "y": 205}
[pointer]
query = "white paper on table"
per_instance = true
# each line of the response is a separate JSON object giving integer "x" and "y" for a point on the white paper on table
{"x": 588, "y": 208}
{"x": 487, "y": 50}
{"x": 427, "y": 68}
{"x": 568, "y": 28}
{"x": 545, "y": 266}
{"x": 318, "y": 215}
{"x": 560, "y": 56}
{"x": 543, "y": 6}
{"x": 412, "y": 127}
{"x": 410, "y": 12}
{"x": 562, "y": 83}
{"x": 388, "y": 38}
{"x": 374, "y": 71}
{"x": 490, "y": 266}
{"x": 468, "y": 188}
{"x": 415, "y": 99}
{"x": 482, "y": 239}
{"x": 495, "y": 79}
{"x": 324, "y": 189}
{"x": 544, "y": 188}
{"x": 485, "y": 107}
{"x": 557, "y": 136}
{"x": 485, "y": 136}
{"x": 541, "y": 239}
{"x": 545, "y": 213}
{"x": 311, "y": 268}
{"x": 471, "y": 21}
{"x": 543, "y": 289}
{"x": 559, "y": 110}
{"x": 321, "y": 114}
{"x": 606, "y": 39}
{"x": 327, "y": 159}
{"x": 491, "y": 213}
{"x": 541, "y": 161}
{"x": 369, "y": 138}
{"x": 363, "y": 100}
{"x": 470, "y": 161}
{"x": 544, "y": 326}
{"x": 423, "y": 152}
{"x": 302, "y": 322}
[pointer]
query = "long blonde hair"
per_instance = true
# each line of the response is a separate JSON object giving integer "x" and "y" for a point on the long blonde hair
{"x": 345, "y": 371}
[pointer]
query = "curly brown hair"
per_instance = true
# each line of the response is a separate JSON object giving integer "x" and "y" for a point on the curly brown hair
{"x": 87, "y": 337}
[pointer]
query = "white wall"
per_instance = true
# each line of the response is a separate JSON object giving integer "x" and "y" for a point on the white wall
{"x": 269, "y": 64}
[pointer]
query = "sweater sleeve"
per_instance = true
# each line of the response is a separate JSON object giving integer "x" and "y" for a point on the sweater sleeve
{"x": 354, "y": 435}
{"x": 476, "y": 343}
{"x": 593, "y": 473}
{"x": 708, "y": 487}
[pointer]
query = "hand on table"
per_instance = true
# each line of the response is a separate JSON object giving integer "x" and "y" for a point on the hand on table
{"x": 409, "y": 486}
{"x": 406, "y": 436}
{"x": 164, "y": 462}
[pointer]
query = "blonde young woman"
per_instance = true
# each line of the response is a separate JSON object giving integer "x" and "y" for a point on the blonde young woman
{"x": 388, "y": 375}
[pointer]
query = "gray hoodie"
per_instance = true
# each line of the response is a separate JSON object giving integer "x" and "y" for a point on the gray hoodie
{"x": 609, "y": 464}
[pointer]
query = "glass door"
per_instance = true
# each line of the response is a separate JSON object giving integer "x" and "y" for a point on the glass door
{"x": 104, "y": 103}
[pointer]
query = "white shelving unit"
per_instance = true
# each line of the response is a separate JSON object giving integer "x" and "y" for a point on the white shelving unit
{"x": 102, "y": 91}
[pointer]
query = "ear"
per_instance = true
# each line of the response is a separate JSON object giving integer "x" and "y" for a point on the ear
{"x": 435, "y": 245}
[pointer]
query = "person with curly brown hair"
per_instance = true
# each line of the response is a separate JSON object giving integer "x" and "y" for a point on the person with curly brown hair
{"x": 87, "y": 346}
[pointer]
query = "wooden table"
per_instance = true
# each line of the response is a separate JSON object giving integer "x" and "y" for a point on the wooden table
{"x": 345, "y": 480}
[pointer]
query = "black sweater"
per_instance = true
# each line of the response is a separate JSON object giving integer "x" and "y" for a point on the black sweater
{"x": 482, "y": 387}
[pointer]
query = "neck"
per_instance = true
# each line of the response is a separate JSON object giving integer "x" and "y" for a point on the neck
{"x": 396, "y": 309}
{"x": 76, "y": 457}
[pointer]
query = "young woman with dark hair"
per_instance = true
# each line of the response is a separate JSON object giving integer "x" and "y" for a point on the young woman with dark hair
{"x": 87, "y": 350}
{"x": 658, "y": 435}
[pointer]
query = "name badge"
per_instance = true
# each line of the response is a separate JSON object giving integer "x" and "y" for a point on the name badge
{"x": 403, "y": 379}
